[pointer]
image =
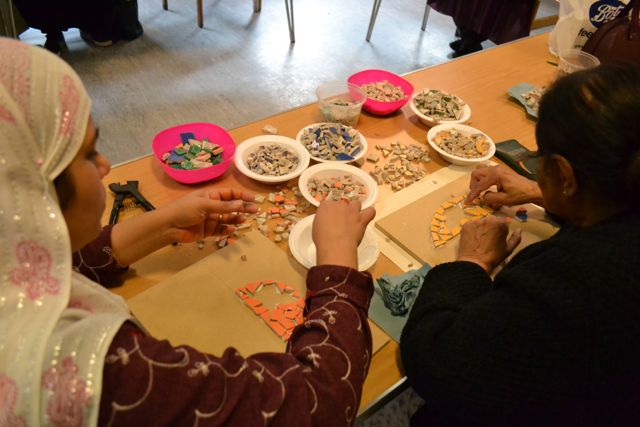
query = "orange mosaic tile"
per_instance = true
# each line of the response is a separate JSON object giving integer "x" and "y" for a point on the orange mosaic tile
{"x": 440, "y": 233}
{"x": 284, "y": 317}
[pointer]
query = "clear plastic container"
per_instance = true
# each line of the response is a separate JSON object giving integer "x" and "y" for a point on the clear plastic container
{"x": 340, "y": 102}
{"x": 572, "y": 60}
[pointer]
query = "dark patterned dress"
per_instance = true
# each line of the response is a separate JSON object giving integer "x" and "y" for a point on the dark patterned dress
{"x": 318, "y": 381}
{"x": 500, "y": 21}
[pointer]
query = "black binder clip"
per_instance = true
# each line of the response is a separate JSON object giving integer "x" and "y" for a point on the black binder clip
{"x": 125, "y": 191}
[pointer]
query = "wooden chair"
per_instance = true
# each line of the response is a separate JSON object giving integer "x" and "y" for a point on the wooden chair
{"x": 257, "y": 6}
{"x": 374, "y": 15}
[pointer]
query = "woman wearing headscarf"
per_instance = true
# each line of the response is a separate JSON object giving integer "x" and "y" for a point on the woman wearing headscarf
{"x": 70, "y": 353}
{"x": 554, "y": 338}
{"x": 500, "y": 21}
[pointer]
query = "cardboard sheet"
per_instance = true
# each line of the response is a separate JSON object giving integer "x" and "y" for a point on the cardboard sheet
{"x": 198, "y": 306}
{"x": 410, "y": 225}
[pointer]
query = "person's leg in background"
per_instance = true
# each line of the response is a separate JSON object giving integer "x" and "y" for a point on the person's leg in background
{"x": 55, "y": 40}
{"x": 95, "y": 20}
{"x": 105, "y": 22}
{"x": 468, "y": 42}
{"x": 46, "y": 16}
{"x": 500, "y": 21}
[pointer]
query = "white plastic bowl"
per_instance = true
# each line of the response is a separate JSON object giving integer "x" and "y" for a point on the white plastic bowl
{"x": 304, "y": 250}
{"x": 432, "y": 121}
{"x": 332, "y": 169}
{"x": 250, "y": 145}
{"x": 360, "y": 155}
{"x": 456, "y": 160}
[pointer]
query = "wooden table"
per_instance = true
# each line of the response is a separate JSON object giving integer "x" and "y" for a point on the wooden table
{"x": 481, "y": 80}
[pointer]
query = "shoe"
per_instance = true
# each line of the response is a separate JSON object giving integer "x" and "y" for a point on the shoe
{"x": 130, "y": 33}
{"x": 88, "y": 39}
{"x": 467, "y": 48}
{"x": 456, "y": 44}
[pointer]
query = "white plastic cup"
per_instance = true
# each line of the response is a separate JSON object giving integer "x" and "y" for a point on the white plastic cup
{"x": 331, "y": 94}
{"x": 572, "y": 60}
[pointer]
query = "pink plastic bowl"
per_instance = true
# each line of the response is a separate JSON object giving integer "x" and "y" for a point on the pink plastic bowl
{"x": 377, "y": 107}
{"x": 167, "y": 139}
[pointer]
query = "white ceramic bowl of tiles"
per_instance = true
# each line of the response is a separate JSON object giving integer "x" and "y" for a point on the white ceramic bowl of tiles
{"x": 433, "y": 121}
{"x": 363, "y": 144}
{"x": 251, "y": 145}
{"x": 452, "y": 158}
{"x": 304, "y": 250}
{"x": 331, "y": 170}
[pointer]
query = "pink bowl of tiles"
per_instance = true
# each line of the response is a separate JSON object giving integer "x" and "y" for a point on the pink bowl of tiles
{"x": 382, "y": 108}
{"x": 168, "y": 139}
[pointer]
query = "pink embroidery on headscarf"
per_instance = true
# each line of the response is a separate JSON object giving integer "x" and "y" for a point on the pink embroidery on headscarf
{"x": 69, "y": 99}
{"x": 33, "y": 271}
{"x": 6, "y": 116}
{"x": 76, "y": 303}
{"x": 65, "y": 407}
{"x": 17, "y": 78}
{"x": 8, "y": 396}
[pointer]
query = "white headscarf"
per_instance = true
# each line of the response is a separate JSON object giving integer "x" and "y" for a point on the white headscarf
{"x": 55, "y": 325}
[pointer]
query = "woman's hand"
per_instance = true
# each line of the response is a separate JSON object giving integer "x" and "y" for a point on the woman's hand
{"x": 207, "y": 212}
{"x": 200, "y": 214}
{"x": 338, "y": 229}
{"x": 485, "y": 242}
{"x": 513, "y": 189}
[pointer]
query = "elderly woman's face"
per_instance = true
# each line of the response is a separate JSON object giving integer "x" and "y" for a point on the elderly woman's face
{"x": 84, "y": 209}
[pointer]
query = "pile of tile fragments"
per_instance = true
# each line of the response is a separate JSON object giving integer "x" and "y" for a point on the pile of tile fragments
{"x": 404, "y": 164}
{"x": 277, "y": 213}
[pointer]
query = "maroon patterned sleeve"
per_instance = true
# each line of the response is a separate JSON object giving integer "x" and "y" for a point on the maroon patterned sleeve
{"x": 96, "y": 261}
{"x": 318, "y": 381}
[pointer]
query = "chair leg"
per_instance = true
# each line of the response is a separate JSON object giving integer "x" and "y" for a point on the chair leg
{"x": 257, "y": 5}
{"x": 374, "y": 15}
{"x": 427, "y": 9}
{"x": 200, "y": 18}
{"x": 165, "y": 4}
{"x": 12, "y": 30}
{"x": 292, "y": 33}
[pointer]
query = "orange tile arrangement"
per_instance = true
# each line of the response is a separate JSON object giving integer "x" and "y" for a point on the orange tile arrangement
{"x": 440, "y": 233}
{"x": 284, "y": 317}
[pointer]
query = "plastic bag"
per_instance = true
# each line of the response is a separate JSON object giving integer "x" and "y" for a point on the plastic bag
{"x": 579, "y": 19}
